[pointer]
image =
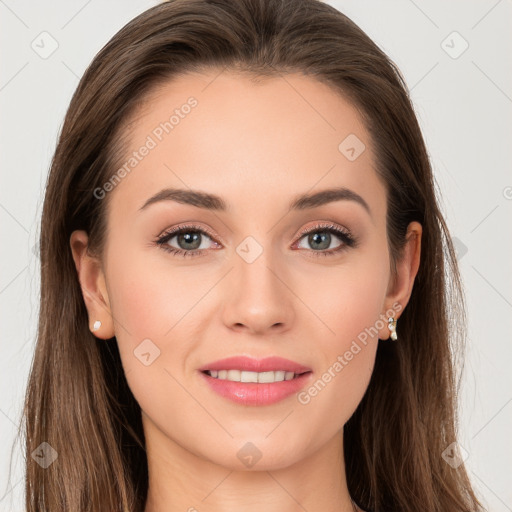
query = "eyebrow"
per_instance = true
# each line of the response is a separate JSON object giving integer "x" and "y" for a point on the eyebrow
{"x": 213, "y": 202}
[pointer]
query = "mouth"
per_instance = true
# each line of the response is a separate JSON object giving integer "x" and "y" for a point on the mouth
{"x": 258, "y": 382}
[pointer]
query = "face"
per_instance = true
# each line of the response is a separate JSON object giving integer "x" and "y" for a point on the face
{"x": 253, "y": 272}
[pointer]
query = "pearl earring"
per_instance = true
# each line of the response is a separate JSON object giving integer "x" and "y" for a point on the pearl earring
{"x": 392, "y": 328}
{"x": 96, "y": 325}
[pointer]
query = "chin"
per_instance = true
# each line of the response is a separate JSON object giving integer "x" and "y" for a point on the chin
{"x": 254, "y": 453}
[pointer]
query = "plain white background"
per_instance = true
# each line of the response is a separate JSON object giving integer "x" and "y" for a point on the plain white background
{"x": 463, "y": 99}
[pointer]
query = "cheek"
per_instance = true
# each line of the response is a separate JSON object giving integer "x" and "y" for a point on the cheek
{"x": 149, "y": 306}
{"x": 347, "y": 299}
{"x": 148, "y": 298}
{"x": 359, "y": 297}
{"x": 347, "y": 346}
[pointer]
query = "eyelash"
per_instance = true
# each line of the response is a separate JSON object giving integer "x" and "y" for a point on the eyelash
{"x": 346, "y": 237}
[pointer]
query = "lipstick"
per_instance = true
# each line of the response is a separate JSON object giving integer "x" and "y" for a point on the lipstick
{"x": 248, "y": 381}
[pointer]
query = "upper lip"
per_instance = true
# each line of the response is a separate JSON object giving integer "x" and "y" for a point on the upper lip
{"x": 268, "y": 364}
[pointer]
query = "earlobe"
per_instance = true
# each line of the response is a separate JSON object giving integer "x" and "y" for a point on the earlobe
{"x": 92, "y": 283}
{"x": 402, "y": 282}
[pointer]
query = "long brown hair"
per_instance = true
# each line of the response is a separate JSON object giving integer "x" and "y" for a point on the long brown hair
{"x": 78, "y": 400}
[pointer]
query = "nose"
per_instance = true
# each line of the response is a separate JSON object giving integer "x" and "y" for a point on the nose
{"x": 258, "y": 296}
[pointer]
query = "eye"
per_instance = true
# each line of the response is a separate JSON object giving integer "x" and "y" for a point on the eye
{"x": 189, "y": 239}
{"x": 320, "y": 238}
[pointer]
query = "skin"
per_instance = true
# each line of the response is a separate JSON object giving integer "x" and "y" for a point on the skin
{"x": 257, "y": 145}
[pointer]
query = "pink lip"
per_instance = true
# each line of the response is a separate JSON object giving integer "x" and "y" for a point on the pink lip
{"x": 252, "y": 393}
{"x": 249, "y": 364}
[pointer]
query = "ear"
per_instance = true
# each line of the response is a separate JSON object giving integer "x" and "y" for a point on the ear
{"x": 401, "y": 283}
{"x": 92, "y": 283}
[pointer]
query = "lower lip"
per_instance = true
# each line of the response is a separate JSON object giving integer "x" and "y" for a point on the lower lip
{"x": 253, "y": 393}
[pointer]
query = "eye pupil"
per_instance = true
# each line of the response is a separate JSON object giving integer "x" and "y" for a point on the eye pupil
{"x": 188, "y": 237}
{"x": 320, "y": 237}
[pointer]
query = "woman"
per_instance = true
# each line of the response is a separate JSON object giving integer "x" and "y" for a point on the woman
{"x": 252, "y": 369}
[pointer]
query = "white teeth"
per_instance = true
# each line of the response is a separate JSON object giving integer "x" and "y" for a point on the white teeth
{"x": 266, "y": 377}
{"x": 233, "y": 375}
{"x": 248, "y": 376}
{"x": 245, "y": 376}
{"x": 279, "y": 375}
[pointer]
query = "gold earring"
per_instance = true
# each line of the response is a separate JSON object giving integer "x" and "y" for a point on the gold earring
{"x": 96, "y": 325}
{"x": 392, "y": 328}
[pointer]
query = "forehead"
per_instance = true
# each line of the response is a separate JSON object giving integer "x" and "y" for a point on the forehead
{"x": 233, "y": 136}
